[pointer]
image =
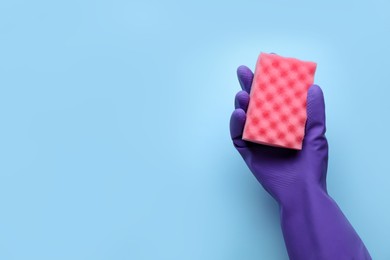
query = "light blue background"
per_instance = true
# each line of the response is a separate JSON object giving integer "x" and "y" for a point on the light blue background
{"x": 114, "y": 139}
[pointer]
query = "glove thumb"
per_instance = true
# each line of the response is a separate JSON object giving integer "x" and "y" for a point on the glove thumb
{"x": 315, "y": 124}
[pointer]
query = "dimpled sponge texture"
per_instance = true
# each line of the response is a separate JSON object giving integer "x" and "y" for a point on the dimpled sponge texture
{"x": 276, "y": 113}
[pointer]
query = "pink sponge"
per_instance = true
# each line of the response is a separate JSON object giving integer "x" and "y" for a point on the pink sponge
{"x": 276, "y": 114}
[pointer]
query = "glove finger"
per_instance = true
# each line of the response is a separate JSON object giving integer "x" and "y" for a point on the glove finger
{"x": 245, "y": 77}
{"x": 237, "y": 122}
{"x": 242, "y": 100}
{"x": 315, "y": 124}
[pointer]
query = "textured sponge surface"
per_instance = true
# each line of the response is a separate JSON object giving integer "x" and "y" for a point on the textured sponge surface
{"x": 276, "y": 113}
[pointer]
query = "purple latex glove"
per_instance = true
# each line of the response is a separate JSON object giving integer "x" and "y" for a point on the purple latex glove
{"x": 313, "y": 225}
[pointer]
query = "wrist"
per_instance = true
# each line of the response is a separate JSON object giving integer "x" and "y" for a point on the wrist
{"x": 304, "y": 198}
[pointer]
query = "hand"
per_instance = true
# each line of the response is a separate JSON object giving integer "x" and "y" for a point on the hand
{"x": 286, "y": 174}
{"x": 313, "y": 226}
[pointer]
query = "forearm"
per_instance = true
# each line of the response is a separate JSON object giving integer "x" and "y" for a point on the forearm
{"x": 315, "y": 228}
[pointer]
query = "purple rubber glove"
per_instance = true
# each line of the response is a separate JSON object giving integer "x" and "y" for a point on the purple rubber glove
{"x": 313, "y": 225}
